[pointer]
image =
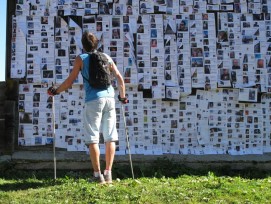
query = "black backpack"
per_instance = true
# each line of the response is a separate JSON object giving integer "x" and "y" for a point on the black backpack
{"x": 99, "y": 71}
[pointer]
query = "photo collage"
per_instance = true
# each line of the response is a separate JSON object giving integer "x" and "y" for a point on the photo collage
{"x": 197, "y": 73}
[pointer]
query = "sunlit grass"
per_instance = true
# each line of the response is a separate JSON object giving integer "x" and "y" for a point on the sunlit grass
{"x": 75, "y": 188}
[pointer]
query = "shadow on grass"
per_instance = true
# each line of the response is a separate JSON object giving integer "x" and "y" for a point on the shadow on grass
{"x": 26, "y": 184}
{"x": 10, "y": 174}
{"x": 167, "y": 168}
{"x": 34, "y": 179}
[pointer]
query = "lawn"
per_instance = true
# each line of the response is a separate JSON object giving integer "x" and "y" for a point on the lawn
{"x": 152, "y": 186}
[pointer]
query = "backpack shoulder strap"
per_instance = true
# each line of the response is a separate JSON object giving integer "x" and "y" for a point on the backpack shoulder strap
{"x": 89, "y": 54}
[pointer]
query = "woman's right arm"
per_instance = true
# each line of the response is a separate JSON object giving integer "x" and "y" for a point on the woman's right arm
{"x": 121, "y": 85}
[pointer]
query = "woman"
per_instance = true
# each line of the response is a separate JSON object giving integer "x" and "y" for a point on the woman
{"x": 99, "y": 112}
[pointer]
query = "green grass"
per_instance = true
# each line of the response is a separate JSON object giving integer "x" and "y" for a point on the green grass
{"x": 168, "y": 183}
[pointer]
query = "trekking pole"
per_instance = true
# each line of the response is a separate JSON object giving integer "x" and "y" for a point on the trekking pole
{"x": 54, "y": 135}
{"x": 127, "y": 141}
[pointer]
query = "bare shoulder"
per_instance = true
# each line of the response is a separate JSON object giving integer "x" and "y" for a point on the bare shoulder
{"x": 108, "y": 57}
{"x": 78, "y": 62}
{"x": 113, "y": 66}
{"x": 78, "y": 58}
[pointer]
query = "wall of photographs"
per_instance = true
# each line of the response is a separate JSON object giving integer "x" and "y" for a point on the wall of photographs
{"x": 198, "y": 73}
